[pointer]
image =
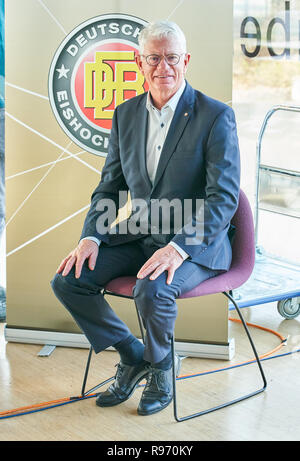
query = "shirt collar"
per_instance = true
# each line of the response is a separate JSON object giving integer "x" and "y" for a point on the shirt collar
{"x": 172, "y": 103}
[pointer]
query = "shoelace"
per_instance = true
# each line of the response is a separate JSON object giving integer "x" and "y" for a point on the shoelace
{"x": 119, "y": 371}
{"x": 154, "y": 380}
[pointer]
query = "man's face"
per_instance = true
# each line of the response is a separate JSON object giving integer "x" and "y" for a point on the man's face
{"x": 164, "y": 79}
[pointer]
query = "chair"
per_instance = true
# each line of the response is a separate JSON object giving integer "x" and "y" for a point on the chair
{"x": 243, "y": 258}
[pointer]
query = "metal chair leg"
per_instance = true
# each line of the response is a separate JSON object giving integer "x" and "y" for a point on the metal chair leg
{"x": 136, "y": 308}
{"x": 203, "y": 412}
{"x": 140, "y": 323}
{"x": 251, "y": 342}
{"x": 83, "y": 392}
{"x": 86, "y": 371}
{"x": 87, "y": 367}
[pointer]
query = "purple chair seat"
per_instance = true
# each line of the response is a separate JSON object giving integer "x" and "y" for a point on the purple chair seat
{"x": 243, "y": 258}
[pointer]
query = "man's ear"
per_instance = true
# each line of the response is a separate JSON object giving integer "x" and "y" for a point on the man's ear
{"x": 138, "y": 61}
{"x": 186, "y": 61}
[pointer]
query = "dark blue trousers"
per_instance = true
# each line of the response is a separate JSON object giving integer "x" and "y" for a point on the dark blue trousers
{"x": 155, "y": 300}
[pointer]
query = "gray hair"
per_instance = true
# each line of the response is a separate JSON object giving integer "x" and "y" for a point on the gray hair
{"x": 159, "y": 30}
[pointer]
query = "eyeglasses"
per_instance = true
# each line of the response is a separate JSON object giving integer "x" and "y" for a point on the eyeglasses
{"x": 171, "y": 59}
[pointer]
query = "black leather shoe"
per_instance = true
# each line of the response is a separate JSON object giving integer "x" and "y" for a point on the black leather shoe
{"x": 158, "y": 392}
{"x": 126, "y": 380}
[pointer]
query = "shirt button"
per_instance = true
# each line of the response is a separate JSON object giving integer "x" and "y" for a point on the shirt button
{"x": 158, "y": 147}
{"x": 162, "y": 125}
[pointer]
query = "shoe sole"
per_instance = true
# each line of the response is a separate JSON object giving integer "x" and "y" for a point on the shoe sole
{"x": 99, "y": 404}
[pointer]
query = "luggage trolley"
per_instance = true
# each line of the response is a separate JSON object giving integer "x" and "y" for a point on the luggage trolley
{"x": 274, "y": 279}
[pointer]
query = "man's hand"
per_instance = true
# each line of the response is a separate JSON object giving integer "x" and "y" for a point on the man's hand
{"x": 86, "y": 249}
{"x": 164, "y": 259}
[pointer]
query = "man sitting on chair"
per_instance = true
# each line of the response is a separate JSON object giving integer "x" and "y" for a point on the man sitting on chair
{"x": 171, "y": 145}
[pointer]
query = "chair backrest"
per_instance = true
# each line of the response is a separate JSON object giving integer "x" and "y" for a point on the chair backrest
{"x": 243, "y": 245}
{"x": 243, "y": 255}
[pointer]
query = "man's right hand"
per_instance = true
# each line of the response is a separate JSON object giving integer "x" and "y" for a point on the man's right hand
{"x": 86, "y": 249}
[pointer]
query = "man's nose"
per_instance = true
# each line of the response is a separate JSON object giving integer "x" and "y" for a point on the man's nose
{"x": 163, "y": 64}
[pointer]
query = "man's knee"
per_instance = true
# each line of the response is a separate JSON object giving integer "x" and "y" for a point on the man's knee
{"x": 86, "y": 284}
{"x": 152, "y": 296}
{"x": 67, "y": 283}
{"x": 61, "y": 283}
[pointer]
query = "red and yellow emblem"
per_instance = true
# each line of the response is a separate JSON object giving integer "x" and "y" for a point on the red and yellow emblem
{"x": 92, "y": 72}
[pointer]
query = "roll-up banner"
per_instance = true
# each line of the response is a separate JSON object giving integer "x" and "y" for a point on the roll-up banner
{"x": 59, "y": 109}
{"x": 2, "y": 169}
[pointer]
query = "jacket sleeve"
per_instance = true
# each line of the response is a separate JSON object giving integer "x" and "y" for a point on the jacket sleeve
{"x": 106, "y": 193}
{"x": 213, "y": 215}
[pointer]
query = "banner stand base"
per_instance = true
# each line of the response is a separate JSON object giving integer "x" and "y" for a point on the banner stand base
{"x": 51, "y": 338}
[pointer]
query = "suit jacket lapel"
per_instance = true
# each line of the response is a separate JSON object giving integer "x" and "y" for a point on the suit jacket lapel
{"x": 178, "y": 124}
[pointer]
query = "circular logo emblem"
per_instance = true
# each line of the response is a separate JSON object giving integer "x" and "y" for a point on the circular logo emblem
{"x": 92, "y": 72}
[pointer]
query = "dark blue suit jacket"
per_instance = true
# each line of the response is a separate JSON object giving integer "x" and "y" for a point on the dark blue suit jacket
{"x": 199, "y": 160}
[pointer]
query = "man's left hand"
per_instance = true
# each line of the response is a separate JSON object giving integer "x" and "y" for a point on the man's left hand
{"x": 164, "y": 259}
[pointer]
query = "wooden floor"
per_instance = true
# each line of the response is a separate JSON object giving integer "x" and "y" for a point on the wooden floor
{"x": 27, "y": 379}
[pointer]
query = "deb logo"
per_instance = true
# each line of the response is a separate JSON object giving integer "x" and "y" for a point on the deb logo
{"x": 92, "y": 72}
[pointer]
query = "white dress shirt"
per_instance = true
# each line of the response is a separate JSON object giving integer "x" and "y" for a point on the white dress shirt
{"x": 158, "y": 125}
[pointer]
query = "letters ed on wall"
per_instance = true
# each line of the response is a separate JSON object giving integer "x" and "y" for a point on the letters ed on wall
{"x": 282, "y": 30}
